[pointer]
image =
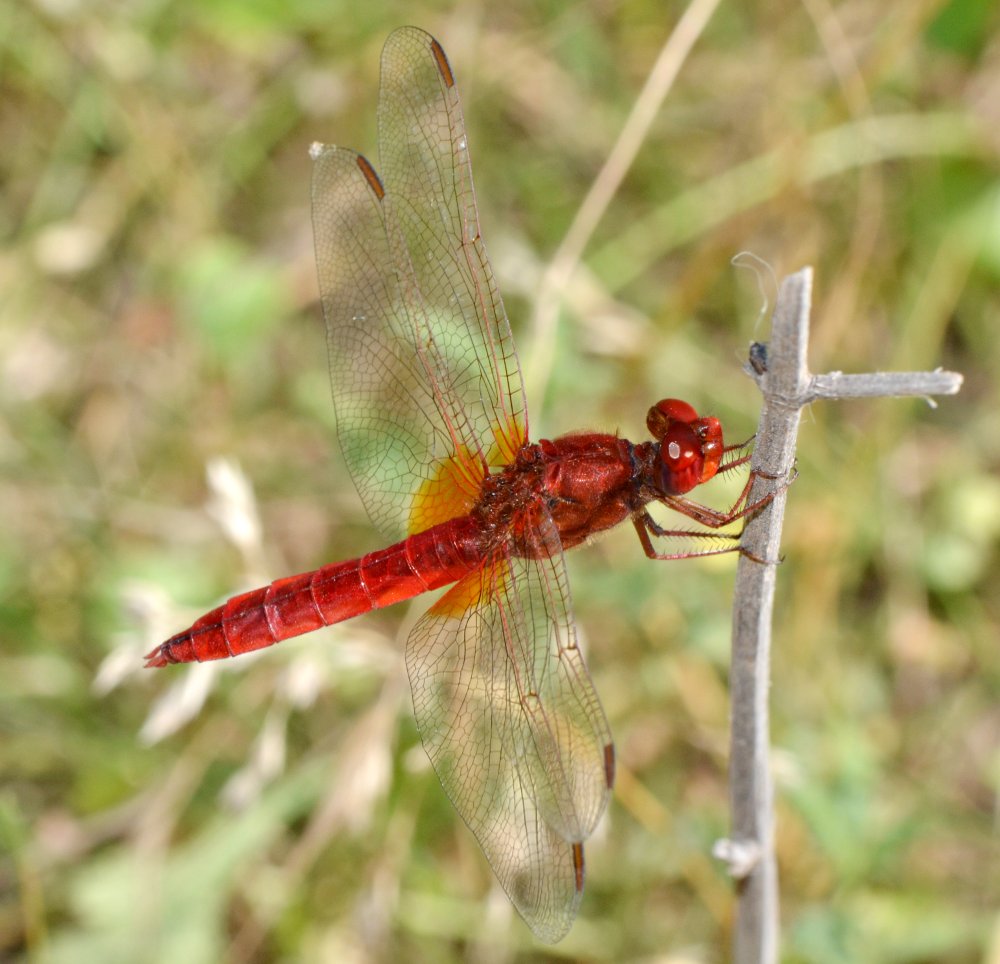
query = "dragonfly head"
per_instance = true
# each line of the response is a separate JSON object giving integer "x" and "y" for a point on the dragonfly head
{"x": 690, "y": 447}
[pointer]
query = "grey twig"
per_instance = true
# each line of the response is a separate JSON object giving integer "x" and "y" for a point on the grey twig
{"x": 839, "y": 385}
{"x": 783, "y": 375}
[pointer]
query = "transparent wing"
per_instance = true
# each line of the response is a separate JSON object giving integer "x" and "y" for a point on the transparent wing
{"x": 512, "y": 723}
{"x": 425, "y": 377}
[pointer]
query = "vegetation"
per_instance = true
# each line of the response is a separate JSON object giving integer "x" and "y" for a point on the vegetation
{"x": 158, "y": 313}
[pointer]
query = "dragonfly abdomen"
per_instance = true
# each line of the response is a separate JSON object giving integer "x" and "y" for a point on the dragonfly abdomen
{"x": 299, "y": 604}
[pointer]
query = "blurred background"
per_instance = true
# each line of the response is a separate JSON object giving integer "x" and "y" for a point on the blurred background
{"x": 167, "y": 440}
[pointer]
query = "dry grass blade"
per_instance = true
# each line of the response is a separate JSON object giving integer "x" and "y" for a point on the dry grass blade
{"x": 566, "y": 259}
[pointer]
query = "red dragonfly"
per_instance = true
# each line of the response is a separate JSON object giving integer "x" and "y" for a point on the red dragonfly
{"x": 433, "y": 425}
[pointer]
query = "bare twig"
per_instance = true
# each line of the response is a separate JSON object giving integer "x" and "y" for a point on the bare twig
{"x": 783, "y": 375}
{"x": 898, "y": 384}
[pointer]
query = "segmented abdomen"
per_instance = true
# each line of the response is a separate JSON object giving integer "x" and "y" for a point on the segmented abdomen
{"x": 300, "y": 604}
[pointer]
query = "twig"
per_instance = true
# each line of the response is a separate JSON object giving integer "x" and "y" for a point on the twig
{"x": 783, "y": 375}
{"x": 839, "y": 385}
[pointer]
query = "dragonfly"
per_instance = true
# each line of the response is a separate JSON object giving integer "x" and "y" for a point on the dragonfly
{"x": 433, "y": 425}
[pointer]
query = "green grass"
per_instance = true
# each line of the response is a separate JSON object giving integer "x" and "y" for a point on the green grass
{"x": 157, "y": 310}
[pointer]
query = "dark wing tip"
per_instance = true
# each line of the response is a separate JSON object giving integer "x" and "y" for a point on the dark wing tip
{"x": 374, "y": 181}
{"x": 444, "y": 68}
{"x": 578, "y": 866}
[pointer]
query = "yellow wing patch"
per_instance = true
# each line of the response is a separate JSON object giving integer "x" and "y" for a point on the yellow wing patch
{"x": 454, "y": 488}
{"x": 452, "y": 491}
{"x": 507, "y": 442}
{"x": 465, "y": 596}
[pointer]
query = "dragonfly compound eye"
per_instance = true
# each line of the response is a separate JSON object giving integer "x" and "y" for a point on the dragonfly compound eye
{"x": 681, "y": 459}
{"x": 667, "y": 412}
{"x": 690, "y": 449}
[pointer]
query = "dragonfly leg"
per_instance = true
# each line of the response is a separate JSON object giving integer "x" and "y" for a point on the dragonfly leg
{"x": 713, "y": 520}
{"x": 645, "y": 524}
{"x": 743, "y": 455}
{"x": 740, "y": 509}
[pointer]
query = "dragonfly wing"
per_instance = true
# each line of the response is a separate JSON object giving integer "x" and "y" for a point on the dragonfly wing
{"x": 425, "y": 377}
{"x": 424, "y": 153}
{"x": 512, "y": 723}
{"x": 386, "y": 411}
